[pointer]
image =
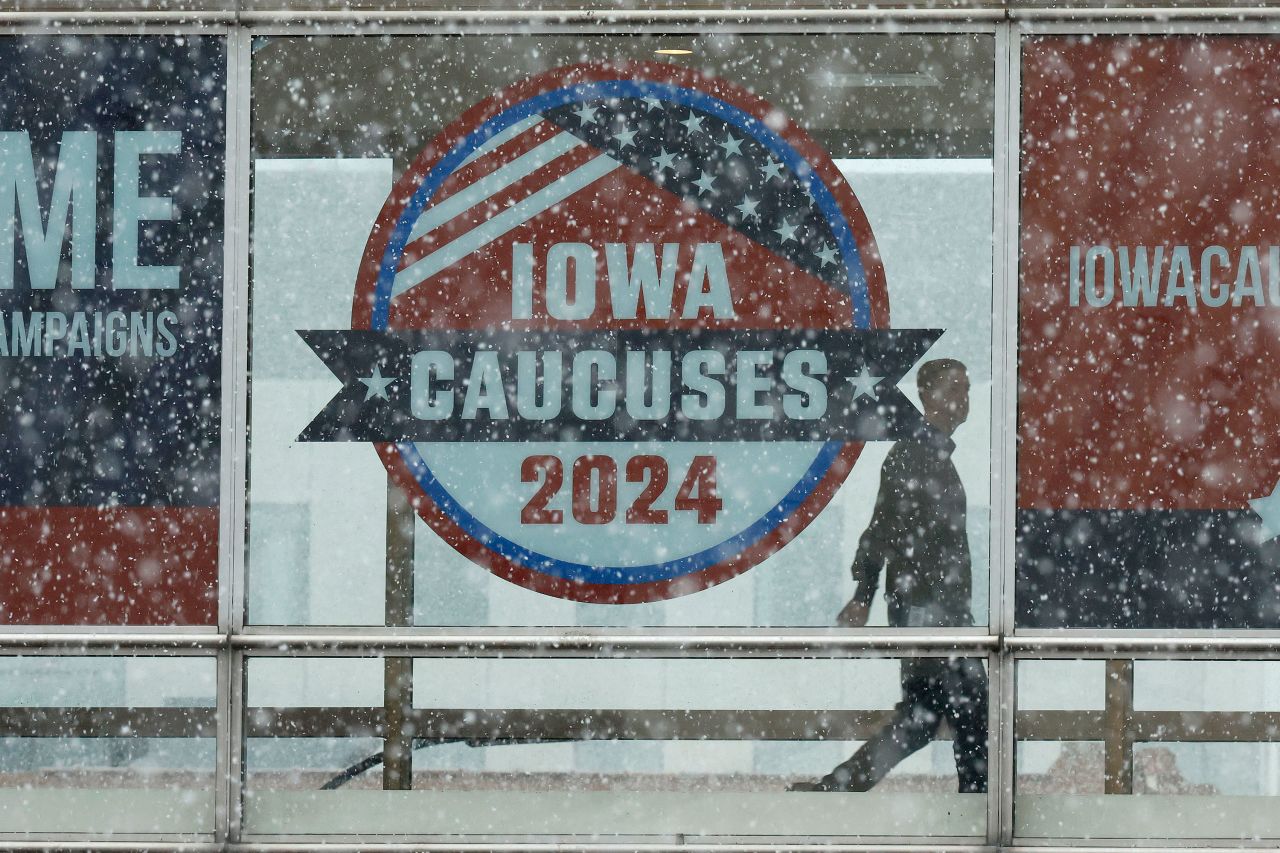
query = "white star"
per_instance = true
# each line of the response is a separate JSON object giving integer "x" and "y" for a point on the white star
{"x": 625, "y": 138}
{"x": 586, "y": 114}
{"x": 828, "y": 254}
{"x": 772, "y": 169}
{"x": 864, "y": 384}
{"x": 652, "y": 103}
{"x": 786, "y": 231}
{"x": 693, "y": 124}
{"x": 665, "y": 160}
{"x": 704, "y": 184}
{"x": 377, "y": 385}
{"x": 731, "y": 144}
{"x": 1268, "y": 509}
{"x": 748, "y": 208}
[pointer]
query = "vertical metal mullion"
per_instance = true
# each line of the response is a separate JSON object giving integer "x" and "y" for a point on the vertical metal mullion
{"x": 1000, "y": 389}
{"x": 231, "y": 785}
{"x": 1008, "y": 153}
{"x": 1006, "y": 743}
{"x": 222, "y": 810}
{"x": 235, "y": 727}
{"x": 230, "y": 488}
{"x": 999, "y": 524}
{"x": 995, "y": 769}
{"x": 240, "y": 103}
{"x": 228, "y": 364}
{"x": 1010, "y": 242}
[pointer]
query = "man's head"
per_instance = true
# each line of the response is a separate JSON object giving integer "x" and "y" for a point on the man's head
{"x": 944, "y": 391}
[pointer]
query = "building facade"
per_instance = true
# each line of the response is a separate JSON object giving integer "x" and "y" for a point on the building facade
{"x": 531, "y": 426}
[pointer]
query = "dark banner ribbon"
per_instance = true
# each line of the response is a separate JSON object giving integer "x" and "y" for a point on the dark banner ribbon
{"x": 642, "y": 385}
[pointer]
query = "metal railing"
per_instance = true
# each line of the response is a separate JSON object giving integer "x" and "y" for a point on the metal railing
{"x": 1118, "y": 726}
{"x": 374, "y": 12}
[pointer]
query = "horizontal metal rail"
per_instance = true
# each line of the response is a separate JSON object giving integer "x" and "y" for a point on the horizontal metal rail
{"x": 1132, "y": 848}
{"x": 459, "y": 724}
{"x": 1137, "y": 12}
{"x": 110, "y": 847}
{"x": 748, "y": 12}
{"x": 528, "y": 725}
{"x": 108, "y": 722}
{"x": 611, "y": 644}
{"x": 133, "y": 19}
{"x": 541, "y": 725}
{"x": 562, "y": 847}
{"x": 1113, "y": 644}
{"x": 576, "y": 642}
{"x": 154, "y": 642}
{"x": 695, "y": 15}
{"x": 479, "y": 847}
{"x": 606, "y": 847}
{"x": 448, "y": 14}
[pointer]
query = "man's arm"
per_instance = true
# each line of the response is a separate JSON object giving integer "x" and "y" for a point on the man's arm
{"x": 872, "y": 550}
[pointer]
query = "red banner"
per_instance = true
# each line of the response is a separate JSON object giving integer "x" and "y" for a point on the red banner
{"x": 1155, "y": 397}
{"x": 121, "y": 566}
{"x": 1149, "y": 333}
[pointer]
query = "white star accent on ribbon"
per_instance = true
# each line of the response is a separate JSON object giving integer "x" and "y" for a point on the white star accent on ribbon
{"x": 625, "y": 138}
{"x": 693, "y": 124}
{"x": 665, "y": 160}
{"x": 864, "y": 383}
{"x": 827, "y": 254}
{"x": 1268, "y": 509}
{"x": 652, "y": 103}
{"x": 731, "y": 144}
{"x": 786, "y": 231}
{"x": 377, "y": 384}
{"x": 586, "y": 114}
{"x": 704, "y": 184}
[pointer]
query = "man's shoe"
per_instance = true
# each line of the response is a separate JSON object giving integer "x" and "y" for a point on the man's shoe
{"x": 806, "y": 786}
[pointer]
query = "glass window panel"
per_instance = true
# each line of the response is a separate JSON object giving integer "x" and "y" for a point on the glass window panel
{"x": 621, "y": 747}
{"x": 906, "y": 121}
{"x": 1146, "y": 463}
{"x": 1062, "y": 685}
{"x": 107, "y": 745}
{"x": 111, "y": 198}
{"x": 1177, "y": 749}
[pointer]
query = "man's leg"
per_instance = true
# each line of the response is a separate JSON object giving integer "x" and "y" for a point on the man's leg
{"x": 966, "y": 709}
{"x": 915, "y": 720}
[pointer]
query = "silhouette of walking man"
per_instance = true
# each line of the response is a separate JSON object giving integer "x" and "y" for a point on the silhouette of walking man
{"x": 917, "y": 535}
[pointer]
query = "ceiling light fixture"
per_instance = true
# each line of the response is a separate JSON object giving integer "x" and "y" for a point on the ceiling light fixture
{"x": 673, "y": 51}
{"x": 839, "y": 80}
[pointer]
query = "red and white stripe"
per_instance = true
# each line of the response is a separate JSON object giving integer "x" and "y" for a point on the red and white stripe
{"x": 515, "y": 176}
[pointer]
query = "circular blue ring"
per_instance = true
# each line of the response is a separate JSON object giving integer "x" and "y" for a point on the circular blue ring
{"x": 795, "y": 163}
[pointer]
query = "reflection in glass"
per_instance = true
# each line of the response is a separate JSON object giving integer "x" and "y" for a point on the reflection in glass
{"x": 1147, "y": 749}
{"x": 571, "y": 746}
{"x": 107, "y": 744}
{"x": 908, "y": 122}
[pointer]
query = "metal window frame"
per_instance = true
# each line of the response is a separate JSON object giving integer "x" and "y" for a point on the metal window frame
{"x": 1019, "y": 645}
{"x": 232, "y": 641}
{"x": 1131, "y": 652}
{"x": 780, "y": 650}
{"x": 900, "y": 21}
{"x": 1033, "y": 23}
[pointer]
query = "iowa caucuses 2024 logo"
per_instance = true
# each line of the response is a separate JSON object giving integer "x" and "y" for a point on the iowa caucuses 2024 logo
{"x": 619, "y": 333}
